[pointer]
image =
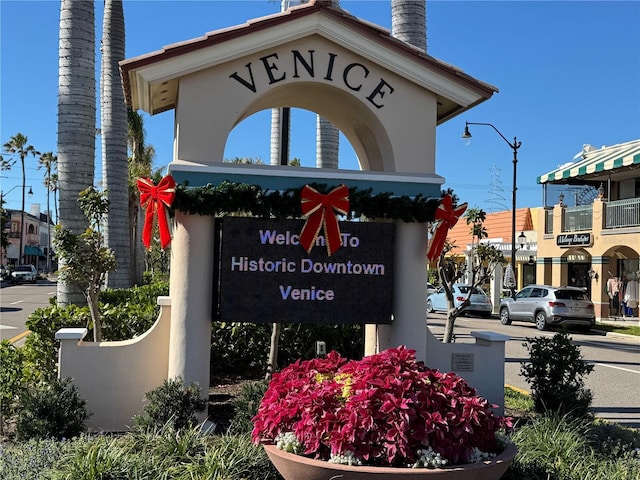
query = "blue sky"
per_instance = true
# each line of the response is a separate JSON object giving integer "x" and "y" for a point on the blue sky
{"x": 568, "y": 74}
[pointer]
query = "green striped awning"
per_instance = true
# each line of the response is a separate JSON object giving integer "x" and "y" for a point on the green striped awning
{"x": 596, "y": 160}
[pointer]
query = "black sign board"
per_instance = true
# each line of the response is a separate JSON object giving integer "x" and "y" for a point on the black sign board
{"x": 574, "y": 240}
{"x": 266, "y": 276}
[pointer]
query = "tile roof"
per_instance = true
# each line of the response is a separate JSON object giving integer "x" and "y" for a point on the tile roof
{"x": 278, "y": 22}
{"x": 498, "y": 226}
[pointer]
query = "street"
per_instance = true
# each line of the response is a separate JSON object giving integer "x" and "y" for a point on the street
{"x": 17, "y": 302}
{"x": 614, "y": 382}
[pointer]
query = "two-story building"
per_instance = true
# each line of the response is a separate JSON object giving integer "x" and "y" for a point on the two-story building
{"x": 35, "y": 238}
{"x": 595, "y": 244}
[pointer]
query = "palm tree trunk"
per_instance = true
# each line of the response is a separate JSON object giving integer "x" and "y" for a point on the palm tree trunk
{"x": 76, "y": 120}
{"x": 113, "y": 114}
{"x": 327, "y": 143}
{"x": 409, "y": 22}
{"x": 22, "y": 232}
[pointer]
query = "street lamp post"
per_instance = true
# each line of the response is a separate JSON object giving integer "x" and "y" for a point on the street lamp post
{"x": 30, "y": 192}
{"x": 514, "y": 146}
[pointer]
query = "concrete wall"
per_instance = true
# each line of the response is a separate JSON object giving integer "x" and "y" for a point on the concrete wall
{"x": 481, "y": 364}
{"x": 114, "y": 376}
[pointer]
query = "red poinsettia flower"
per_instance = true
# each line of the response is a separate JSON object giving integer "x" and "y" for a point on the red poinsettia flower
{"x": 383, "y": 409}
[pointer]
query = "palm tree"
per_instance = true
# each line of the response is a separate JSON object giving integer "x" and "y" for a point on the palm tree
{"x": 140, "y": 161}
{"x": 17, "y": 145}
{"x": 48, "y": 161}
{"x": 76, "y": 120}
{"x": 113, "y": 115}
{"x": 409, "y": 22}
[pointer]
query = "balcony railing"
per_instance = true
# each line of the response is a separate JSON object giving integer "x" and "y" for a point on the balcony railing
{"x": 622, "y": 213}
{"x": 575, "y": 219}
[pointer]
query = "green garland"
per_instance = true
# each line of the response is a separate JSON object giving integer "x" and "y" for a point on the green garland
{"x": 229, "y": 197}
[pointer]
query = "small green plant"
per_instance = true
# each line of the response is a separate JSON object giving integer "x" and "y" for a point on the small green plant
{"x": 173, "y": 403}
{"x": 556, "y": 374}
{"x": 563, "y": 448}
{"x": 85, "y": 260}
{"x": 51, "y": 410}
{"x": 246, "y": 406}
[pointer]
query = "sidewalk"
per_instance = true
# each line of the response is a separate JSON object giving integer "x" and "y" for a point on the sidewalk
{"x": 620, "y": 321}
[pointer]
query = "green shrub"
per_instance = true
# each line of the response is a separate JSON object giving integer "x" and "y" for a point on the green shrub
{"x": 33, "y": 459}
{"x": 51, "y": 410}
{"x": 12, "y": 380}
{"x": 143, "y": 294}
{"x": 556, "y": 373}
{"x": 246, "y": 406}
{"x": 171, "y": 404}
{"x": 616, "y": 440}
{"x": 242, "y": 348}
{"x": 40, "y": 347}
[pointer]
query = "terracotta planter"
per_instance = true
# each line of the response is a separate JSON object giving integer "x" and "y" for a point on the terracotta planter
{"x": 296, "y": 467}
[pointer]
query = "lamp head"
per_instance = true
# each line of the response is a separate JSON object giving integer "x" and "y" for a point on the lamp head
{"x": 522, "y": 239}
{"x": 466, "y": 135}
{"x": 30, "y": 192}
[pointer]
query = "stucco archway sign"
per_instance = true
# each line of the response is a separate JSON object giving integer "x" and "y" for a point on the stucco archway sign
{"x": 385, "y": 96}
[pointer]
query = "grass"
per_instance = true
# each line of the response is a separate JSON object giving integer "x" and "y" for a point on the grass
{"x": 516, "y": 400}
{"x": 627, "y": 330}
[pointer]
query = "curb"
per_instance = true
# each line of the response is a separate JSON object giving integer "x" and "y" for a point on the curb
{"x": 616, "y": 334}
{"x": 516, "y": 389}
{"x": 17, "y": 338}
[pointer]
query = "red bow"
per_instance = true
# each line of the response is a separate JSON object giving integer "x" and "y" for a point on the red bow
{"x": 319, "y": 211}
{"x": 448, "y": 217}
{"x": 154, "y": 198}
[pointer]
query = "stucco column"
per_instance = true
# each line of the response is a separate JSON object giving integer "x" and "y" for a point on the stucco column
{"x": 409, "y": 286}
{"x": 599, "y": 296}
{"x": 190, "y": 289}
{"x": 496, "y": 289}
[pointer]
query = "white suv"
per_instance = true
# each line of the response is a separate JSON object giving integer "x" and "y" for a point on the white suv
{"x": 548, "y": 306}
{"x": 25, "y": 273}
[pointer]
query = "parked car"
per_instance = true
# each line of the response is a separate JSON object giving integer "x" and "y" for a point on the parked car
{"x": 430, "y": 289}
{"x": 549, "y": 306}
{"x": 480, "y": 301}
{"x": 24, "y": 273}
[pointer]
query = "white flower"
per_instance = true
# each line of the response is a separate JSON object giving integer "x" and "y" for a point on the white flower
{"x": 427, "y": 458}
{"x": 288, "y": 442}
{"x": 346, "y": 458}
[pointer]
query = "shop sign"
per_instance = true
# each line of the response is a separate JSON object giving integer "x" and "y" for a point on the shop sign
{"x": 266, "y": 276}
{"x": 574, "y": 240}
